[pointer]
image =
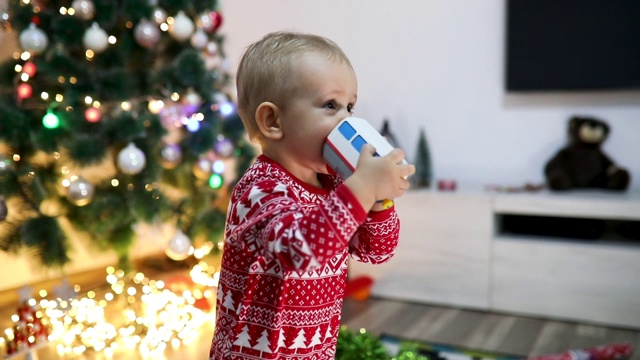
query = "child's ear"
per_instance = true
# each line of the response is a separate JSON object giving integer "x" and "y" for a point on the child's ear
{"x": 268, "y": 120}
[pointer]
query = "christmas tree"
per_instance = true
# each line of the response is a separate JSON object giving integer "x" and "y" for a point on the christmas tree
{"x": 423, "y": 175}
{"x": 112, "y": 114}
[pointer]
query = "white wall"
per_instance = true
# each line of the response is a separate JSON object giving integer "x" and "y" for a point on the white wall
{"x": 438, "y": 65}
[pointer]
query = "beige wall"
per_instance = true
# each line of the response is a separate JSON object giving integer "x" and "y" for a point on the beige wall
{"x": 8, "y": 44}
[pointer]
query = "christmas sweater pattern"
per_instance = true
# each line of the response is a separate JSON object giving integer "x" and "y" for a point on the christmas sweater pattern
{"x": 284, "y": 264}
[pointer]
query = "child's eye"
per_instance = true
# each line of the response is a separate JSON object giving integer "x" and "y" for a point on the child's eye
{"x": 350, "y": 108}
{"x": 331, "y": 105}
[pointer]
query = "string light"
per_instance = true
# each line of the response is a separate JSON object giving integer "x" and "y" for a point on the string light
{"x": 155, "y": 106}
{"x": 215, "y": 181}
{"x": 218, "y": 166}
{"x": 24, "y": 91}
{"x": 152, "y": 317}
{"x": 29, "y": 68}
{"x": 92, "y": 115}
{"x": 50, "y": 120}
{"x": 192, "y": 124}
{"x": 226, "y": 109}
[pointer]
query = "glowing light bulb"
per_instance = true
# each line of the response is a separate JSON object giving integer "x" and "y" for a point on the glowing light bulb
{"x": 24, "y": 91}
{"x": 218, "y": 166}
{"x": 155, "y": 106}
{"x": 29, "y": 69}
{"x": 92, "y": 115}
{"x": 50, "y": 120}
{"x": 226, "y": 109}
{"x": 215, "y": 181}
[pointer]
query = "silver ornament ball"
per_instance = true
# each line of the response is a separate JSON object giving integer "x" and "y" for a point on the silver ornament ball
{"x": 159, "y": 16}
{"x": 178, "y": 247}
{"x": 170, "y": 156}
{"x": 33, "y": 39}
{"x": 85, "y": 9}
{"x": 80, "y": 192}
{"x": 182, "y": 27}
{"x": 95, "y": 38}
{"x": 203, "y": 168}
{"x": 131, "y": 160}
{"x": 146, "y": 34}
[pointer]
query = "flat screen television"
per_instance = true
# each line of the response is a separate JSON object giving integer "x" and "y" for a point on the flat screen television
{"x": 555, "y": 45}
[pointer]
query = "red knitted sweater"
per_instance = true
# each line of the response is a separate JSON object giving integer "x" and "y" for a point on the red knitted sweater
{"x": 284, "y": 264}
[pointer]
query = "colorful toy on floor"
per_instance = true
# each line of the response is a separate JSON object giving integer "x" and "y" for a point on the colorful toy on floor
{"x": 359, "y": 288}
{"x": 616, "y": 351}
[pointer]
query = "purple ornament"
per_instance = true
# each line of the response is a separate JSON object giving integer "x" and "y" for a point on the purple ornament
{"x": 224, "y": 147}
{"x": 170, "y": 156}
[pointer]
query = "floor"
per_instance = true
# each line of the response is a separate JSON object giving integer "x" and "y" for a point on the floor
{"x": 526, "y": 336}
{"x": 505, "y": 333}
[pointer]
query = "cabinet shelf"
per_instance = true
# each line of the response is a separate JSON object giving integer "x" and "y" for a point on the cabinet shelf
{"x": 454, "y": 249}
{"x": 565, "y": 229}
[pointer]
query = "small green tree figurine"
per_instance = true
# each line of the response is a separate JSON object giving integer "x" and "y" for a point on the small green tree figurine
{"x": 424, "y": 174}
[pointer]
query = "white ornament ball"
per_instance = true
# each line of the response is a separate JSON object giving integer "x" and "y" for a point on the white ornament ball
{"x": 199, "y": 39}
{"x": 95, "y": 38}
{"x": 224, "y": 147}
{"x": 80, "y": 192}
{"x": 146, "y": 34}
{"x": 159, "y": 16}
{"x": 84, "y": 9}
{"x": 131, "y": 160}
{"x": 211, "y": 48}
{"x": 193, "y": 98}
{"x": 182, "y": 27}
{"x": 33, "y": 39}
{"x": 178, "y": 247}
{"x": 171, "y": 115}
{"x": 203, "y": 168}
{"x": 170, "y": 156}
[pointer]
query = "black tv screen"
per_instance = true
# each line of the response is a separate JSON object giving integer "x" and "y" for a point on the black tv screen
{"x": 572, "y": 45}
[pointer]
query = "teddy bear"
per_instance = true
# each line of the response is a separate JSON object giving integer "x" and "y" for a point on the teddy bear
{"x": 582, "y": 163}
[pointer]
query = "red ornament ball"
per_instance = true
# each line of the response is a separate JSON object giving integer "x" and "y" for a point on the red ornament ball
{"x": 216, "y": 20}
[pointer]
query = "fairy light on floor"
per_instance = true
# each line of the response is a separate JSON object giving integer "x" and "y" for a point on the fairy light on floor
{"x": 135, "y": 312}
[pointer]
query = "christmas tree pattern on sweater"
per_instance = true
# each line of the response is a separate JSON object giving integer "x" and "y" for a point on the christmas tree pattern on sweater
{"x": 285, "y": 264}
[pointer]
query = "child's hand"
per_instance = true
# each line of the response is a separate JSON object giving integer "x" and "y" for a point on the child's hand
{"x": 378, "y": 178}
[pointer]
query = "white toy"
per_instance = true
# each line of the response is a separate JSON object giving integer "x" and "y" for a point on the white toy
{"x": 342, "y": 148}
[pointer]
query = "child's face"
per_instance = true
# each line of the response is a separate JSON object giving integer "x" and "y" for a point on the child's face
{"x": 326, "y": 94}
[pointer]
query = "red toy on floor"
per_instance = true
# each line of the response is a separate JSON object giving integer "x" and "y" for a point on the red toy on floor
{"x": 602, "y": 352}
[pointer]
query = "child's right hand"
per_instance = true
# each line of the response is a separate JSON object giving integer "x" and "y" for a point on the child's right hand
{"x": 377, "y": 178}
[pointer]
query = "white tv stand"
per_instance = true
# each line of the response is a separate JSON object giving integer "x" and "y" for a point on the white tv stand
{"x": 453, "y": 252}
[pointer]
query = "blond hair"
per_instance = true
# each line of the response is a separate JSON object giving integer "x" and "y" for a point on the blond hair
{"x": 267, "y": 66}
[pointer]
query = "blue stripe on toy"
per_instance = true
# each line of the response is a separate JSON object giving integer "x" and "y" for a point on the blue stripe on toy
{"x": 358, "y": 143}
{"x": 347, "y": 130}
